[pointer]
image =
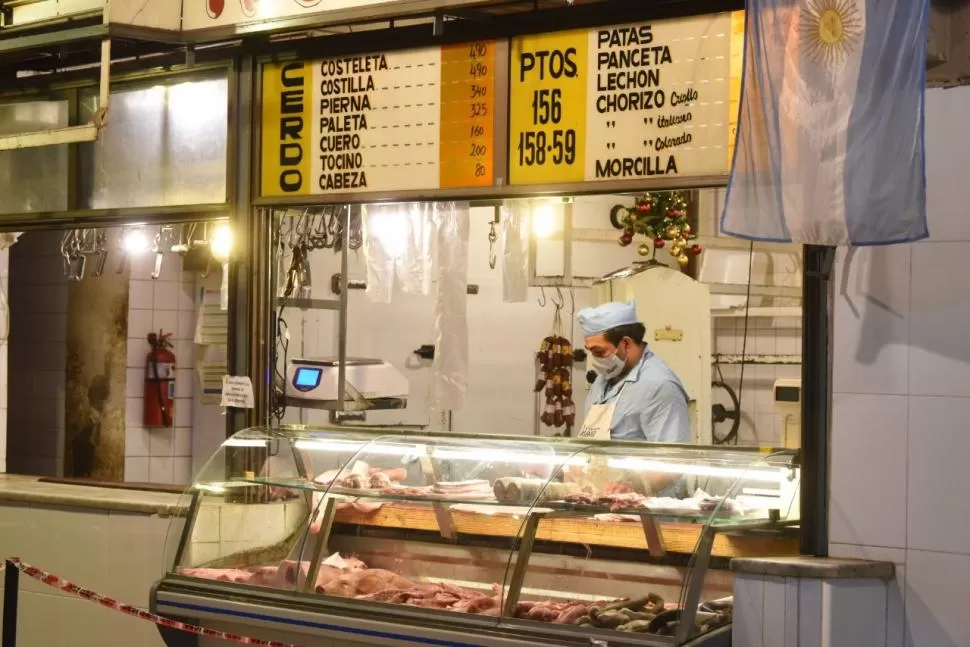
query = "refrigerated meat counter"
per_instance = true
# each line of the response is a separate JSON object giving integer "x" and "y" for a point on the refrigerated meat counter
{"x": 348, "y": 537}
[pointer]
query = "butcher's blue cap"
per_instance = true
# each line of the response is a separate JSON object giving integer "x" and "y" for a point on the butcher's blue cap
{"x": 593, "y": 321}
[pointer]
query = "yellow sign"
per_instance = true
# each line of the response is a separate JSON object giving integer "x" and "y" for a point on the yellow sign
{"x": 625, "y": 102}
{"x": 286, "y": 133}
{"x": 407, "y": 120}
{"x": 547, "y": 116}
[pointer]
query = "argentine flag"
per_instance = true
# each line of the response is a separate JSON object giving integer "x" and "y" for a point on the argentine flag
{"x": 829, "y": 147}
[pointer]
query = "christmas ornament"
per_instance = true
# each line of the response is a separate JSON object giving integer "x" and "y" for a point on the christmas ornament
{"x": 659, "y": 217}
{"x": 696, "y": 249}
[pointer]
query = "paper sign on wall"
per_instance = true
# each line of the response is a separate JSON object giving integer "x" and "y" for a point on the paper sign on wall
{"x": 237, "y": 391}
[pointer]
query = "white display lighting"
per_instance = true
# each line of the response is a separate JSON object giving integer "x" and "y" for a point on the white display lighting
{"x": 366, "y": 449}
{"x": 641, "y": 465}
{"x": 506, "y": 456}
{"x": 245, "y": 442}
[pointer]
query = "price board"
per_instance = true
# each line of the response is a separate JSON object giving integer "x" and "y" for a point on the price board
{"x": 410, "y": 120}
{"x": 624, "y": 102}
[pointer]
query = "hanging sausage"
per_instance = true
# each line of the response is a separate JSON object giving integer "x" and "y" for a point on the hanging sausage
{"x": 555, "y": 359}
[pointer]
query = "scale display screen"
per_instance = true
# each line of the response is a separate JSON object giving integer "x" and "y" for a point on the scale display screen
{"x": 307, "y": 378}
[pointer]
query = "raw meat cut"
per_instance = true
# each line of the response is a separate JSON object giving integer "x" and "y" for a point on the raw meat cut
{"x": 363, "y": 583}
{"x": 400, "y": 490}
{"x": 463, "y": 488}
{"x": 219, "y": 574}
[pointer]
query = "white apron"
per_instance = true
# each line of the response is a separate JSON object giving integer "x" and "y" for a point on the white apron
{"x": 599, "y": 420}
{"x": 597, "y": 426}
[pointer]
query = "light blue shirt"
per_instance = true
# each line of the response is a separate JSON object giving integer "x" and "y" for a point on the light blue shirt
{"x": 651, "y": 403}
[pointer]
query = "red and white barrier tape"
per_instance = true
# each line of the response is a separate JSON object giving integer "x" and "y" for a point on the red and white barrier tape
{"x": 87, "y": 594}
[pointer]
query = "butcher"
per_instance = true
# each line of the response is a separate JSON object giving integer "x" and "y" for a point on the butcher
{"x": 635, "y": 397}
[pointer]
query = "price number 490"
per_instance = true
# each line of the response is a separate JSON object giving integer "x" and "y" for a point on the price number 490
{"x": 557, "y": 146}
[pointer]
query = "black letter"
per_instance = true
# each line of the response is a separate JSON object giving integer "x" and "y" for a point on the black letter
{"x": 527, "y": 63}
{"x": 571, "y": 62}
{"x": 296, "y": 80}
{"x": 291, "y": 127}
{"x": 291, "y": 180}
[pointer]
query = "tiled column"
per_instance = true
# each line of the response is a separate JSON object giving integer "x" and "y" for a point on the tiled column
{"x": 811, "y": 602}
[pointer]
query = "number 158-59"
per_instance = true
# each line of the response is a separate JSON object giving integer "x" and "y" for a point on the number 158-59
{"x": 557, "y": 146}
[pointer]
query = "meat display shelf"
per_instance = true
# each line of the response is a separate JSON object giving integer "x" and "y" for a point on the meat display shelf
{"x": 275, "y": 516}
{"x": 678, "y": 538}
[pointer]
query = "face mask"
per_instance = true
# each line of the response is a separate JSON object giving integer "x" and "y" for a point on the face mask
{"x": 608, "y": 367}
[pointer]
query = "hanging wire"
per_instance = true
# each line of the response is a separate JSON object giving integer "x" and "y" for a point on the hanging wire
{"x": 542, "y": 297}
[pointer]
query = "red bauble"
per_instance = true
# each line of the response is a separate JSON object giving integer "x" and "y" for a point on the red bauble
{"x": 696, "y": 249}
{"x": 644, "y": 207}
{"x": 628, "y": 232}
{"x": 671, "y": 213}
{"x": 659, "y": 243}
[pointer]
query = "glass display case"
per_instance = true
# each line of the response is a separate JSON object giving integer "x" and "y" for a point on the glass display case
{"x": 431, "y": 537}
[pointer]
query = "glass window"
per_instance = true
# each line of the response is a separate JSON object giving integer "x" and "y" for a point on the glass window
{"x": 165, "y": 145}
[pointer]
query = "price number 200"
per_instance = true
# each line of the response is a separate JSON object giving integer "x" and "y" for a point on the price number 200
{"x": 556, "y": 146}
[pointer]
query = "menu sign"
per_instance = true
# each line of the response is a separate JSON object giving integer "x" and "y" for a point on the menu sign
{"x": 624, "y": 102}
{"x": 398, "y": 121}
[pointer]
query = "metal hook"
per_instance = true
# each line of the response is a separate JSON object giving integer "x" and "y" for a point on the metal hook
{"x": 562, "y": 301}
{"x": 492, "y": 237}
{"x": 542, "y": 297}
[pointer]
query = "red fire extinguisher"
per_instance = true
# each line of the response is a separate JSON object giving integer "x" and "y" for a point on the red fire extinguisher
{"x": 159, "y": 382}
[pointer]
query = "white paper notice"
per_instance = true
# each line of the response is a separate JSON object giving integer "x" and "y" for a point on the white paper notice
{"x": 237, "y": 392}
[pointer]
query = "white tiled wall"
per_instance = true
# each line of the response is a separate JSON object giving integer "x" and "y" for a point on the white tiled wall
{"x": 902, "y": 399}
{"x": 168, "y": 303}
{"x": 38, "y": 348}
{"x": 761, "y": 422}
{"x": 38, "y": 352}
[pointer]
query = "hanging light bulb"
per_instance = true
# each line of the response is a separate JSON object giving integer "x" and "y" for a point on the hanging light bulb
{"x": 543, "y": 221}
{"x": 134, "y": 241}
{"x": 221, "y": 242}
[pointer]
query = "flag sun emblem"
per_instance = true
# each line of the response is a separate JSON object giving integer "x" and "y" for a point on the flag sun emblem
{"x": 830, "y": 29}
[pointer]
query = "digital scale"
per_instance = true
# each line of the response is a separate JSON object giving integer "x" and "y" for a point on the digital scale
{"x": 314, "y": 383}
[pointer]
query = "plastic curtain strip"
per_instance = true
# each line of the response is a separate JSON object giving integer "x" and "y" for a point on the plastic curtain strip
{"x": 449, "y": 373}
{"x": 515, "y": 252}
{"x": 397, "y": 249}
